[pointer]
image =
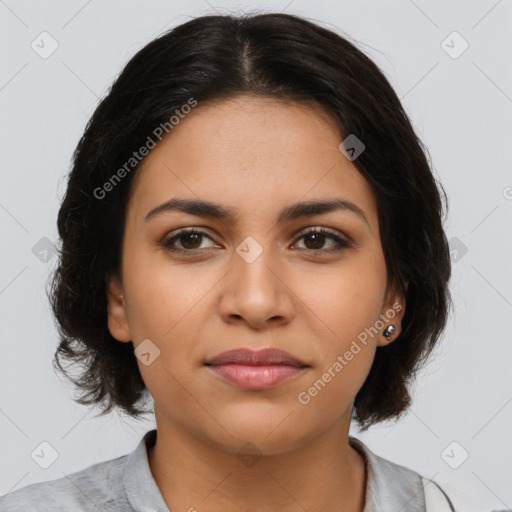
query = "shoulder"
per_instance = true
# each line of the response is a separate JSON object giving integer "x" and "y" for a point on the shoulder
{"x": 97, "y": 487}
{"x": 398, "y": 487}
{"x": 449, "y": 498}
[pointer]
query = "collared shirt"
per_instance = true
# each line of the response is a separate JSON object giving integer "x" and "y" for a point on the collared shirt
{"x": 126, "y": 484}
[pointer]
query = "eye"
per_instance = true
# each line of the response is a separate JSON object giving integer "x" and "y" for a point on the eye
{"x": 316, "y": 237}
{"x": 190, "y": 240}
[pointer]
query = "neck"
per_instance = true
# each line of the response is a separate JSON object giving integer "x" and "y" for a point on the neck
{"x": 324, "y": 474}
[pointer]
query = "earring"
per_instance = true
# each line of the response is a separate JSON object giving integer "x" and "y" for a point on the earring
{"x": 388, "y": 331}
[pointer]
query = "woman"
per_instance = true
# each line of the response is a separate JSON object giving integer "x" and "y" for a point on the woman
{"x": 252, "y": 240}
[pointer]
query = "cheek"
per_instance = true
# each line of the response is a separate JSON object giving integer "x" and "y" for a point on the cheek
{"x": 345, "y": 306}
{"x": 163, "y": 294}
{"x": 330, "y": 393}
{"x": 346, "y": 350}
{"x": 169, "y": 306}
{"x": 346, "y": 301}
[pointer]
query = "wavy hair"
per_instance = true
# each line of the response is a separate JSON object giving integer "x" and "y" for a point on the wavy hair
{"x": 213, "y": 58}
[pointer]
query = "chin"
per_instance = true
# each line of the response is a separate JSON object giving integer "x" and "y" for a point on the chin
{"x": 264, "y": 433}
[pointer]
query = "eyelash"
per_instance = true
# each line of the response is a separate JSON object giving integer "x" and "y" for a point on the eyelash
{"x": 340, "y": 242}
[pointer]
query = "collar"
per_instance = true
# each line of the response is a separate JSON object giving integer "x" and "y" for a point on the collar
{"x": 139, "y": 484}
{"x": 389, "y": 486}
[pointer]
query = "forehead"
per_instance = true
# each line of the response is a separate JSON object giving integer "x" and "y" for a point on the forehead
{"x": 251, "y": 152}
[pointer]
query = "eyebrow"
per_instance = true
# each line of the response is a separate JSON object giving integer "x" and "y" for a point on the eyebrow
{"x": 217, "y": 211}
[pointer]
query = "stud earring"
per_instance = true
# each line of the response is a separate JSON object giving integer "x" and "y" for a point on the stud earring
{"x": 388, "y": 331}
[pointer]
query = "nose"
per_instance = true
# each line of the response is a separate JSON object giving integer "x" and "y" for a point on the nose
{"x": 256, "y": 292}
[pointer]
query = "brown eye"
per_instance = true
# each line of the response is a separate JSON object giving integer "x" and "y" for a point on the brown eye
{"x": 189, "y": 239}
{"x": 315, "y": 239}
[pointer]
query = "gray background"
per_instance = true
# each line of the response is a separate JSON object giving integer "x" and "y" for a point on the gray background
{"x": 461, "y": 107}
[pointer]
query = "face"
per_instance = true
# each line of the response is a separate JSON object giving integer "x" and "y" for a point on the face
{"x": 252, "y": 278}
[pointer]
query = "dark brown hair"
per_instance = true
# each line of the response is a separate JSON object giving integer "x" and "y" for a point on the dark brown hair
{"x": 213, "y": 58}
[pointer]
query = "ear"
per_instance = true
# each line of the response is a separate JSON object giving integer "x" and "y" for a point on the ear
{"x": 393, "y": 311}
{"x": 116, "y": 309}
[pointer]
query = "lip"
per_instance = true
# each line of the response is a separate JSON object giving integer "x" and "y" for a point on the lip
{"x": 246, "y": 356}
{"x": 256, "y": 370}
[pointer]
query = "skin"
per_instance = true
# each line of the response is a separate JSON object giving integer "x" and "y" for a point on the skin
{"x": 254, "y": 156}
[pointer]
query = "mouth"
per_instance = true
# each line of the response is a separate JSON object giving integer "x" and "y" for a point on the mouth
{"x": 256, "y": 370}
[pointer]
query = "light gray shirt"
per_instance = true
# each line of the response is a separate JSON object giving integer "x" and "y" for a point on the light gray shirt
{"x": 126, "y": 484}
